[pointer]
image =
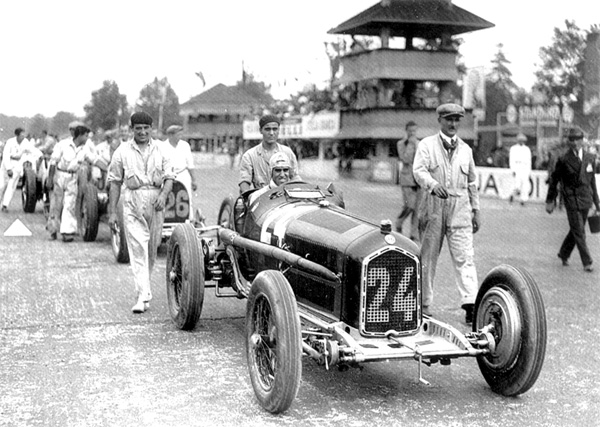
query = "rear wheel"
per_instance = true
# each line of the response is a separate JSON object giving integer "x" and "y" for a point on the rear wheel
{"x": 29, "y": 190}
{"x": 510, "y": 301}
{"x": 273, "y": 341}
{"x": 185, "y": 277}
{"x": 118, "y": 238}
{"x": 89, "y": 213}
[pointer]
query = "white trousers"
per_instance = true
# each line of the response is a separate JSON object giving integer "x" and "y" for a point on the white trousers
{"x": 460, "y": 244}
{"x": 522, "y": 185}
{"x": 143, "y": 230}
{"x": 8, "y": 185}
{"x": 63, "y": 204}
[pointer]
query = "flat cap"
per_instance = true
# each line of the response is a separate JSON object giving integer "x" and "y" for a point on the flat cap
{"x": 269, "y": 118}
{"x": 447, "y": 110}
{"x": 575, "y": 133}
{"x": 173, "y": 129}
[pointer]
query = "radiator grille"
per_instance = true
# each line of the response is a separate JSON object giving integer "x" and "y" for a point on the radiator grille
{"x": 390, "y": 294}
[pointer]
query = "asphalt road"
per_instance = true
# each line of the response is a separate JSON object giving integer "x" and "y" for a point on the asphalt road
{"x": 73, "y": 354}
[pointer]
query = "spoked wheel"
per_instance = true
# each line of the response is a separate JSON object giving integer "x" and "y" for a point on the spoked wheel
{"x": 29, "y": 190}
{"x": 185, "y": 277}
{"x": 510, "y": 301}
{"x": 225, "y": 217}
{"x": 273, "y": 341}
{"x": 89, "y": 213}
{"x": 118, "y": 239}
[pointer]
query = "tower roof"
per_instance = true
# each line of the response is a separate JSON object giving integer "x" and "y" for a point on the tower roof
{"x": 412, "y": 18}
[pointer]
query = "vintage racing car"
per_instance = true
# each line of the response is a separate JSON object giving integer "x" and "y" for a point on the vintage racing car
{"x": 325, "y": 283}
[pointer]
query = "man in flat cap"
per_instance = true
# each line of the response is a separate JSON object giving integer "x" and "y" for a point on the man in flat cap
{"x": 575, "y": 172}
{"x": 519, "y": 160}
{"x": 445, "y": 170}
{"x": 142, "y": 168}
{"x": 181, "y": 158}
{"x": 254, "y": 165}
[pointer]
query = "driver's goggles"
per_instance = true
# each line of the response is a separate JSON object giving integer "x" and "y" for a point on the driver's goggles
{"x": 281, "y": 169}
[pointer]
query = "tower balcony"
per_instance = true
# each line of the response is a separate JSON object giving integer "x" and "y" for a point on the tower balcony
{"x": 398, "y": 64}
{"x": 389, "y": 123}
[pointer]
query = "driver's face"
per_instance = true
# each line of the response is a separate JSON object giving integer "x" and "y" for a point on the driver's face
{"x": 280, "y": 175}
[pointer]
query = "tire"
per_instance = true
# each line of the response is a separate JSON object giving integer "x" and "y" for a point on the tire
{"x": 118, "y": 238}
{"x": 89, "y": 213}
{"x": 273, "y": 341}
{"x": 29, "y": 190}
{"x": 510, "y": 300}
{"x": 185, "y": 277}
{"x": 225, "y": 217}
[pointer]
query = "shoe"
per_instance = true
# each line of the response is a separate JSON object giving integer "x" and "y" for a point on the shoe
{"x": 588, "y": 268}
{"x": 426, "y": 311}
{"x": 53, "y": 236}
{"x": 139, "y": 307}
{"x": 565, "y": 261}
{"x": 67, "y": 238}
{"x": 468, "y": 308}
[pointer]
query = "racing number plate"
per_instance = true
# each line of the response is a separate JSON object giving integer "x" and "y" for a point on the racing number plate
{"x": 177, "y": 208}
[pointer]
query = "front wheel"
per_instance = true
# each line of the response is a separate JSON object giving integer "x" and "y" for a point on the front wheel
{"x": 511, "y": 302}
{"x": 185, "y": 277}
{"x": 273, "y": 341}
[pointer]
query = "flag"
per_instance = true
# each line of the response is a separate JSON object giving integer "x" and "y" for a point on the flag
{"x": 201, "y": 77}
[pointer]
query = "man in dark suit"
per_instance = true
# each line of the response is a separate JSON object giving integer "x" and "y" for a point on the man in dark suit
{"x": 575, "y": 171}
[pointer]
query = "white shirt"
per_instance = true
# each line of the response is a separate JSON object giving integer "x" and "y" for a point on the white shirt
{"x": 520, "y": 158}
{"x": 26, "y": 149}
{"x": 181, "y": 156}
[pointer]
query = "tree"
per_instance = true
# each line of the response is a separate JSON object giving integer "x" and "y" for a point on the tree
{"x": 160, "y": 101}
{"x": 107, "y": 108}
{"x": 37, "y": 125}
{"x": 60, "y": 123}
{"x": 500, "y": 89}
{"x": 560, "y": 75}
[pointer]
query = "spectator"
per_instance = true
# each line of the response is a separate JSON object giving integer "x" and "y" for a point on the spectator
{"x": 181, "y": 158}
{"x": 145, "y": 171}
{"x": 445, "y": 169}
{"x": 500, "y": 156}
{"x": 520, "y": 165}
{"x": 65, "y": 161}
{"x": 574, "y": 170}
{"x": 411, "y": 192}
{"x": 17, "y": 151}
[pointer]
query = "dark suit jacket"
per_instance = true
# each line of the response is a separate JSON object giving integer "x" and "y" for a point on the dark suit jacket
{"x": 577, "y": 180}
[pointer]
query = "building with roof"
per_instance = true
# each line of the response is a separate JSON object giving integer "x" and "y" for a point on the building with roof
{"x": 405, "y": 78}
{"x": 215, "y": 116}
